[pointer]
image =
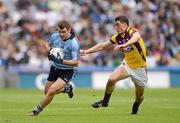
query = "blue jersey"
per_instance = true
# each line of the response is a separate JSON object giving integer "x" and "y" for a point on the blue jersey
{"x": 70, "y": 48}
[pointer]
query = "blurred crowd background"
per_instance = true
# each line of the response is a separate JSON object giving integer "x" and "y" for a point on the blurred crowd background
{"x": 23, "y": 24}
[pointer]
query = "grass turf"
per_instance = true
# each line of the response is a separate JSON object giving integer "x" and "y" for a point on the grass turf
{"x": 160, "y": 105}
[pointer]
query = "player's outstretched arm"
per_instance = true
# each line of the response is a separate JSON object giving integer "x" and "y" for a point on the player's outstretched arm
{"x": 96, "y": 48}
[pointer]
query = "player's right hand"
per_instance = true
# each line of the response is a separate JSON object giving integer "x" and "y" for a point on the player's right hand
{"x": 50, "y": 56}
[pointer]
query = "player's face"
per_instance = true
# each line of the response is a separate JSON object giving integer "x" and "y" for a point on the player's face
{"x": 120, "y": 27}
{"x": 64, "y": 33}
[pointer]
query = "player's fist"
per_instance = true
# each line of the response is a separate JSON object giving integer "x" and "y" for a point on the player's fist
{"x": 50, "y": 56}
{"x": 83, "y": 52}
{"x": 119, "y": 47}
{"x": 56, "y": 55}
{"x": 57, "y": 59}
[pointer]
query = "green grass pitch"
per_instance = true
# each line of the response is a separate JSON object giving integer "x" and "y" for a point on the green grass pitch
{"x": 160, "y": 105}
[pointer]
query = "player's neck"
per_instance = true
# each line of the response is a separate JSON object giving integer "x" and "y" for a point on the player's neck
{"x": 69, "y": 35}
{"x": 125, "y": 30}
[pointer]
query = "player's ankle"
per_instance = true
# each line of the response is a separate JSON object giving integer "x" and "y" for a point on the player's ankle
{"x": 67, "y": 88}
{"x": 38, "y": 109}
{"x": 135, "y": 107}
{"x": 104, "y": 103}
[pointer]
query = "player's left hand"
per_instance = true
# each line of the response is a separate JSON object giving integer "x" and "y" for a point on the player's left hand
{"x": 119, "y": 47}
{"x": 51, "y": 57}
{"x": 58, "y": 59}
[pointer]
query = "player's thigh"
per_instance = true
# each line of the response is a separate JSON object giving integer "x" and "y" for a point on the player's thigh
{"x": 139, "y": 76}
{"x": 57, "y": 86}
{"x": 119, "y": 74}
{"x": 139, "y": 90}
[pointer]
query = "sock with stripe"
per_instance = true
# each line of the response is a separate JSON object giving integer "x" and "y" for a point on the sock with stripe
{"x": 38, "y": 109}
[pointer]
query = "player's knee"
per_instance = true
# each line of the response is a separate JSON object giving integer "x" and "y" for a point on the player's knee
{"x": 51, "y": 92}
{"x": 45, "y": 91}
{"x": 111, "y": 80}
{"x": 140, "y": 98}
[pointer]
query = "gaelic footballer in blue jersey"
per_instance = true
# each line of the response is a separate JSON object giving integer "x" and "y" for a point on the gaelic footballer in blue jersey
{"x": 62, "y": 70}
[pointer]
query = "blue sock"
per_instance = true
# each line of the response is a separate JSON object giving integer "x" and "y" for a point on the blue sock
{"x": 38, "y": 109}
{"x": 67, "y": 88}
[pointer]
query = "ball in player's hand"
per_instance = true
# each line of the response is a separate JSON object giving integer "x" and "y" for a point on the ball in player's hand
{"x": 56, "y": 52}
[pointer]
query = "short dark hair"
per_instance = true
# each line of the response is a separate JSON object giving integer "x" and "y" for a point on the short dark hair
{"x": 64, "y": 24}
{"x": 122, "y": 19}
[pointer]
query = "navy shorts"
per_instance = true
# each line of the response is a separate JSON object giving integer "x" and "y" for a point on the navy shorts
{"x": 65, "y": 75}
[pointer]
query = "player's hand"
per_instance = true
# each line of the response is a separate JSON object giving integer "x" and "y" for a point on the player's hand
{"x": 82, "y": 52}
{"x": 54, "y": 59}
{"x": 58, "y": 59}
{"x": 119, "y": 47}
{"x": 50, "y": 56}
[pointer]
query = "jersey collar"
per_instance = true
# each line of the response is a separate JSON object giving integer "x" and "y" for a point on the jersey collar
{"x": 124, "y": 33}
{"x": 71, "y": 37}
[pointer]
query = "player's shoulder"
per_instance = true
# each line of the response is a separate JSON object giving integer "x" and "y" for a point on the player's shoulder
{"x": 132, "y": 30}
{"x": 55, "y": 33}
{"x": 75, "y": 41}
{"x": 115, "y": 35}
{"x": 113, "y": 38}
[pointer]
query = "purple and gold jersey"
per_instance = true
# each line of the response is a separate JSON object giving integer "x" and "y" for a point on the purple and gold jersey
{"x": 135, "y": 54}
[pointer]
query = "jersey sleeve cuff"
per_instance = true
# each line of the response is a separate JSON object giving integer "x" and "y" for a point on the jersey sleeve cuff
{"x": 112, "y": 41}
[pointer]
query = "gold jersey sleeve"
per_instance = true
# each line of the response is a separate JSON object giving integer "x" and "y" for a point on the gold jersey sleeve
{"x": 113, "y": 39}
{"x": 135, "y": 54}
